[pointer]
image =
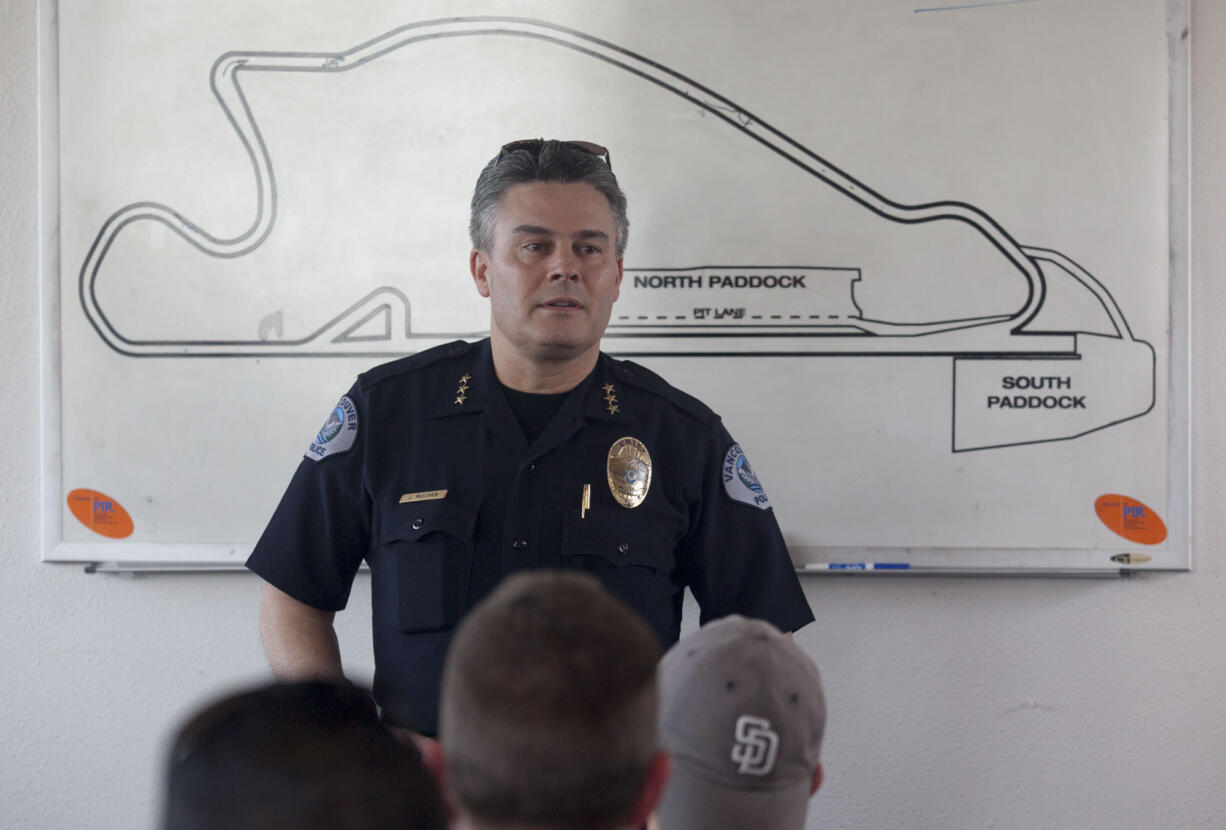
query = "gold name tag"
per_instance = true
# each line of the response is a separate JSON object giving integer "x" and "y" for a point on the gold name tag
{"x": 425, "y": 495}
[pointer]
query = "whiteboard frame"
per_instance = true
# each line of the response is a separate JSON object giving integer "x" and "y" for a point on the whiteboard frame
{"x": 121, "y": 556}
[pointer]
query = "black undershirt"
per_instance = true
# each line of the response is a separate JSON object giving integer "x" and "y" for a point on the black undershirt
{"x": 534, "y": 412}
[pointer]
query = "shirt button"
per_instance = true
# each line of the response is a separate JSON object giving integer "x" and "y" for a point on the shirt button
{"x": 531, "y": 467}
{"x": 417, "y": 523}
{"x": 623, "y": 548}
{"x": 520, "y": 544}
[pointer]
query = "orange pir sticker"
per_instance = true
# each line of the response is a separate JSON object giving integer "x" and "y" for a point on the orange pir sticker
{"x": 100, "y": 513}
{"x": 1130, "y": 519}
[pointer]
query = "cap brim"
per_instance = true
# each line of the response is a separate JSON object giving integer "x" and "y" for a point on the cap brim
{"x": 690, "y": 802}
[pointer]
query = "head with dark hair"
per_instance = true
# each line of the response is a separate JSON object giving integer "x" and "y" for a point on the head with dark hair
{"x": 548, "y": 713}
{"x": 541, "y": 160}
{"x": 296, "y": 755}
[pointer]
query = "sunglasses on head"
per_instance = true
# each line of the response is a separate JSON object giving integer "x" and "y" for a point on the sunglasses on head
{"x": 535, "y": 144}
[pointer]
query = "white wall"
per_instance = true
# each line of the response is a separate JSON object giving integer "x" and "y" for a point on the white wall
{"x": 954, "y": 703}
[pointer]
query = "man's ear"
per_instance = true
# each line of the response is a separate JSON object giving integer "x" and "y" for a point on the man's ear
{"x": 818, "y": 775}
{"x": 653, "y": 788}
{"x": 478, "y": 266}
{"x": 618, "y": 285}
{"x": 432, "y": 759}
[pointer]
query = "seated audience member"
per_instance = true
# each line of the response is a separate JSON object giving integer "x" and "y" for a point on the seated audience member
{"x": 741, "y": 715}
{"x": 307, "y": 756}
{"x": 548, "y": 710}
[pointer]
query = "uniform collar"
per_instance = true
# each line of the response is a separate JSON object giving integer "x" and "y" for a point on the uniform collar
{"x": 605, "y": 398}
{"x": 468, "y": 386}
{"x": 600, "y": 393}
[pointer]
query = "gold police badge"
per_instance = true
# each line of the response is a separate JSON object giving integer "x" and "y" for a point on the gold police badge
{"x": 629, "y": 471}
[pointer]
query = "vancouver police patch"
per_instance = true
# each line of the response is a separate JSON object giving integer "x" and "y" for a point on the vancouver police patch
{"x": 740, "y": 483}
{"x": 338, "y": 432}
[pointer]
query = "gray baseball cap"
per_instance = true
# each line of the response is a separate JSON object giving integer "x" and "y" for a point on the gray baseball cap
{"x": 742, "y": 714}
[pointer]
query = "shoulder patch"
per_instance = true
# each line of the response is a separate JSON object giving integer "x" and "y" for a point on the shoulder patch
{"x": 740, "y": 482}
{"x": 338, "y": 433}
{"x": 414, "y": 361}
{"x": 642, "y": 377}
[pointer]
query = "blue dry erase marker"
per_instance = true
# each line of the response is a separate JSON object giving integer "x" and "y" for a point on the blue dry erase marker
{"x": 858, "y": 566}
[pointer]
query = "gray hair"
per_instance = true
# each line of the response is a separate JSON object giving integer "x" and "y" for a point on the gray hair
{"x": 554, "y": 161}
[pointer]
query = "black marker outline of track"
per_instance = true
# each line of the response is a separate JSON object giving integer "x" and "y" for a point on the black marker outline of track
{"x": 224, "y": 82}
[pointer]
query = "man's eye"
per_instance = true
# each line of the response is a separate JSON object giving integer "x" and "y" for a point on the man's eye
{"x": 590, "y": 249}
{"x": 534, "y": 247}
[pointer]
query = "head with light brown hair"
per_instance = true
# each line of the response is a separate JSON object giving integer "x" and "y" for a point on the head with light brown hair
{"x": 548, "y": 711}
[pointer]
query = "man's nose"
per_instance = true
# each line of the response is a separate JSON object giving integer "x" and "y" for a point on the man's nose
{"x": 565, "y": 266}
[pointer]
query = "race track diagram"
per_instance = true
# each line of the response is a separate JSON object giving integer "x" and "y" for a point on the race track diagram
{"x": 1055, "y": 360}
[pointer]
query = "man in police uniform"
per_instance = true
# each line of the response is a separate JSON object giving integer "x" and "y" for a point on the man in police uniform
{"x": 452, "y": 468}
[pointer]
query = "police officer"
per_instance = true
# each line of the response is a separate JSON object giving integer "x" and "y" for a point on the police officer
{"x": 454, "y": 467}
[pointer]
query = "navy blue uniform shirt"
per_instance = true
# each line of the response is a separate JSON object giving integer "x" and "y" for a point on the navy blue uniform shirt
{"x": 424, "y": 472}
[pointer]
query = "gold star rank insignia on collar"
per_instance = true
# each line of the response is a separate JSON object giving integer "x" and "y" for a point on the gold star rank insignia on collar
{"x": 610, "y": 399}
{"x": 461, "y": 391}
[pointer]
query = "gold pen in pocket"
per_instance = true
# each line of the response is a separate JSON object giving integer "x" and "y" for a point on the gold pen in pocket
{"x": 586, "y": 502}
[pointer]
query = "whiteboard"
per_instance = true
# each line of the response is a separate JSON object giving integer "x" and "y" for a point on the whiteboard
{"x": 928, "y": 261}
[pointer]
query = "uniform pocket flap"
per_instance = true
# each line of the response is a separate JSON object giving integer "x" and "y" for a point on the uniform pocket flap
{"x": 620, "y": 543}
{"x": 413, "y": 520}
